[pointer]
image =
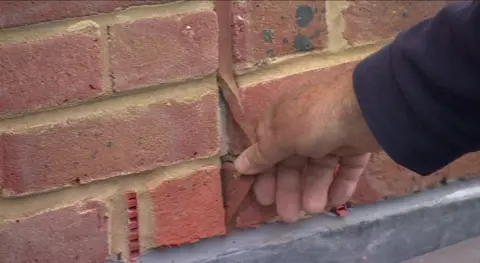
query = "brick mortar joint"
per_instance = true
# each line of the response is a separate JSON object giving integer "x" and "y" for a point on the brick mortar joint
{"x": 47, "y": 29}
{"x": 101, "y": 190}
{"x": 115, "y": 103}
{"x": 108, "y": 71}
{"x": 297, "y": 64}
{"x": 336, "y": 24}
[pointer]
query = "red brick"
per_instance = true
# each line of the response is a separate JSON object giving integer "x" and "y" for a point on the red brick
{"x": 364, "y": 193}
{"x": 375, "y": 20}
{"x": 49, "y": 72}
{"x": 235, "y": 188}
{"x": 20, "y": 13}
{"x": 189, "y": 209}
{"x": 384, "y": 178}
{"x": 242, "y": 208}
{"x": 74, "y": 234}
{"x": 160, "y": 50}
{"x": 252, "y": 214}
{"x": 466, "y": 167}
{"x": 264, "y": 29}
{"x": 2, "y": 158}
{"x": 111, "y": 145}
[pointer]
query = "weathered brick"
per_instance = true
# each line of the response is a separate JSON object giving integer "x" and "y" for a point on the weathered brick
{"x": 241, "y": 207}
{"x": 49, "y": 72}
{"x": 384, "y": 178}
{"x": 77, "y": 233}
{"x": 160, "y": 50}
{"x": 265, "y": 29}
{"x": 252, "y": 214}
{"x": 189, "y": 209}
{"x": 130, "y": 141}
{"x": 364, "y": 193}
{"x": 375, "y": 20}
{"x": 466, "y": 167}
{"x": 2, "y": 163}
{"x": 20, "y": 13}
{"x": 235, "y": 188}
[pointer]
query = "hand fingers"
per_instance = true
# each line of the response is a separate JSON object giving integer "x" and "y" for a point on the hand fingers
{"x": 289, "y": 188}
{"x": 271, "y": 146}
{"x": 288, "y": 193}
{"x": 319, "y": 176}
{"x": 261, "y": 156}
{"x": 344, "y": 184}
{"x": 265, "y": 187}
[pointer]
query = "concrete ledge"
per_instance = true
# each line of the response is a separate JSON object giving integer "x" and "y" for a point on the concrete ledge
{"x": 463, "y": 252}
{"x": 390, "y": 231}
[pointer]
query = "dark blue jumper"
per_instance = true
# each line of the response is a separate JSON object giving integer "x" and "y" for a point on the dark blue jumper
{"x": 420, "y": 95}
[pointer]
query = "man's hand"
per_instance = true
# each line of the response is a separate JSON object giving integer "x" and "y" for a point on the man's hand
{"x": 301, "y": 139}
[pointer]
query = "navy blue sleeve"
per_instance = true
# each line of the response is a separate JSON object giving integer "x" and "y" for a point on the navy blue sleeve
{"x": 420, "y": 95}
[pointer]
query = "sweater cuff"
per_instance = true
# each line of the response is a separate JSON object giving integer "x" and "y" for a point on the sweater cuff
{"x": 393, "y": 123}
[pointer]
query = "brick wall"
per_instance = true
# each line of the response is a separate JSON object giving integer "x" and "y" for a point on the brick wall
{"x": 112, "y": 125}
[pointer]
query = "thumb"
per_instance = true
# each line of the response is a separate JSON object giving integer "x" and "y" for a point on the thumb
{"x": 261, "y": 156}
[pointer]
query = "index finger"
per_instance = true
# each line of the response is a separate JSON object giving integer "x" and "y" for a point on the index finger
{"x": 345, "y": 183}
{"x": 261, "y": 156}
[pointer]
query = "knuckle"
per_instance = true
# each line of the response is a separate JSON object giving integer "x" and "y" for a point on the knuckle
{"x": 259, "y": 156}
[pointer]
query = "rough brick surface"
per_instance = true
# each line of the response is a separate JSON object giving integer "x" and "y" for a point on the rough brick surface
{"x": 375, "y": 20}
{"x": 189, "y": 209}
{"x": 251, "y": 213}
{"x": 235, "y": 187}
{"x": 241, "y": 207}
{"x": 159, "y": 50}
{"x": 20, "y": 13}
{"x": 111, "y": 145}
{"x": 49, "y": 72}
{"x": 365, "y": 193}
{"x": 2, "y": 158}
{"x": 265, "y": 29}
{"x": 467, "y": 166}
{"x": 73, "y": 234}
{"x": 383, "y": 178}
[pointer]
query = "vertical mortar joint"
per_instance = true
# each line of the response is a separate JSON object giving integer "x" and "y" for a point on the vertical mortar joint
{"x": 336, "y": 25}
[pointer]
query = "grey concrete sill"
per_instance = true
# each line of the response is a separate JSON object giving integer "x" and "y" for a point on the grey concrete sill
{"x": 463, "y": 252}
{"x": 390, "y": 231}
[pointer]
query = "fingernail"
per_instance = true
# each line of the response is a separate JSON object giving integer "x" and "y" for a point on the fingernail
{"x": 242, "y": 164}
